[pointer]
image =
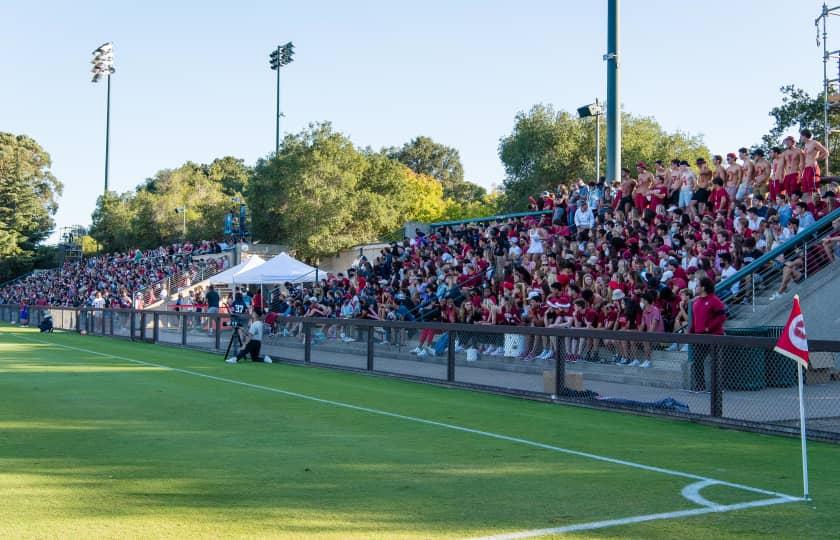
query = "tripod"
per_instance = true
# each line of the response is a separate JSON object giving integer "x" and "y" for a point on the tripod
{"x": 235, "y": 342}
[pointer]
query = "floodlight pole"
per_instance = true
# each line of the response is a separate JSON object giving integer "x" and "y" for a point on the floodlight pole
{"x": 107, "y": 130}
{"x": 277, "y": 125}
{"x": 613, "y": 96}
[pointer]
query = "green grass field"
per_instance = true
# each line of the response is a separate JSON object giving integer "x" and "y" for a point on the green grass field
{"x": 95, "y": 442}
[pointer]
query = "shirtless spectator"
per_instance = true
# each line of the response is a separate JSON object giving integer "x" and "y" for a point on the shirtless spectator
{"x": 704, "y": 183}
{"x": 734, "y": 173}
{"x": 792, "y": 159}
{"x": 674, "y": 183}
{"x": 628, "y": 186}
{"x": 644, "y": 183}
{"x": 777, "y": 176}
{"x": 761, "y": 172}
{"x": 813, "y": 152}
{"x": 747, "y": 176}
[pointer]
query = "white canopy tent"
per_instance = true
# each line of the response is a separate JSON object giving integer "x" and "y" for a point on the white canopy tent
{"x": 231, "y": 275}
{"x": 279, "y": 269}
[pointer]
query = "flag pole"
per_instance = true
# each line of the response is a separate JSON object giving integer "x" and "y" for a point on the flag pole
{"x": 802, "y": 434}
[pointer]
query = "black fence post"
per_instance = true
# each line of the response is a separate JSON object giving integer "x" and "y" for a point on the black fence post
{"x": 307, "y": 343}
{"x": 133, "y": 321}
{"x": 102, "y": 320}
{"x": 450, "y": 358}
{"x": 716, "y": 394}
{"x": 155, "y": 327}
{"x": 183, "y": 321}
{"x": 142, "y": 326}
{"x": 560, "y": 367}
{"x": 217, "y": 333}
{"x": 111, "y": 316}
{"x": 370, "y": 348}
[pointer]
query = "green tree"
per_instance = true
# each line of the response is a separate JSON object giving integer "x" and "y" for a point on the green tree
{"x": 800, "y": 110}
{"x": 28, "y": 192}
{"x": 443, "y": 163}
{"x": 321, "y": 194}
{"x": 549, "y": 147}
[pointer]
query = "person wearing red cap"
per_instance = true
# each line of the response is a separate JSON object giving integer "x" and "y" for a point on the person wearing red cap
{"x": 813, "y": 152}
{"x": 792, "y": 158}
{"x": 734, "y": 173}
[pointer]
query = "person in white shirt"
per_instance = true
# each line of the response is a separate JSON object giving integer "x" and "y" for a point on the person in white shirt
{"x": 253, "y": 342}
{"x": 584, "y": 218}
{"x": 98, "y": 301}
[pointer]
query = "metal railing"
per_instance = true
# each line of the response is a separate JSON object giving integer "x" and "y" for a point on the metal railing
{"x": 725, "y": 380}
{"x": 800, "y": 258}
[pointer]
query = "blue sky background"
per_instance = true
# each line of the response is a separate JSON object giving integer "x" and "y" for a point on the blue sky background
{"x": 193, "y": 81}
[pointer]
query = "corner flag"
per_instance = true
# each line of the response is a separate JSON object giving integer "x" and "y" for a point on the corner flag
{"x": 793, "y": 342}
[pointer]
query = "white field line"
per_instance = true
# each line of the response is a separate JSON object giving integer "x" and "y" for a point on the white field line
{"x": 415, "y": 419}
{"x": 636, "y": 519}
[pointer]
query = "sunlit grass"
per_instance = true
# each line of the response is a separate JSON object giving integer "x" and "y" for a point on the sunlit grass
{"x": 94, "y": 447}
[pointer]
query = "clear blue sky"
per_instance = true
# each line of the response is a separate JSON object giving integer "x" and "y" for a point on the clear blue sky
{"x": 193, "y": 81}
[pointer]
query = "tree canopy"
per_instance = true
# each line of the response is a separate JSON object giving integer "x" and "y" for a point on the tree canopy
{"x": 549, "y": 147}
{"x": 146, "y": 216}
{"x": 327, "y": 195}
{"x": 800, "y": 110}
{"x": 28, "y": 192}
{"x": 443, "y": 163}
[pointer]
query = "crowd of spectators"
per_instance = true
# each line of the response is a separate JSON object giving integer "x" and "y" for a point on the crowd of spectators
{"x": 629, "y": 256}
{"x": 112, "y": 280}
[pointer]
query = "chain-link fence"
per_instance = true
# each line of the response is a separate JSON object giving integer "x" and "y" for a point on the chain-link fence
{"x": 735, "y": 379}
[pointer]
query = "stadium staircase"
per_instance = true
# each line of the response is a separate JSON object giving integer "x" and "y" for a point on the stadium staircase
{"x": 748, "y": 293}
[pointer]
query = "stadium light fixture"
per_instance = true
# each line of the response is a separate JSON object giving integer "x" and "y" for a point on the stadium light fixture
{"x": 282, "y": 56}
{"x": 103, "y": 66}
{"x": 596, "y": 110}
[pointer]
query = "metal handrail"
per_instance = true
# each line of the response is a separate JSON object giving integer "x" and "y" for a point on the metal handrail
{"x": 724, "y": 288}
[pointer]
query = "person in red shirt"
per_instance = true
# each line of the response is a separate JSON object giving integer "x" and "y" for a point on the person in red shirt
{"x": 719, "y": 198}
{"x": 708, "y": 314}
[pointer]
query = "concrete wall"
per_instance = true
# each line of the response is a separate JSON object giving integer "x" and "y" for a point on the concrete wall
{"x": 347, "y": 259}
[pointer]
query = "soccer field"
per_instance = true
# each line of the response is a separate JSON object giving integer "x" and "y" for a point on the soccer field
{"x": 108, "y": 438}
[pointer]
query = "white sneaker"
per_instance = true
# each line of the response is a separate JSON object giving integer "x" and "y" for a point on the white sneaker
{"x": 645, "y": 364}
{"x": 634, "y": 363}
{"x": 231, "y": 360}
{"x": 498, "y": 351}
{"x": 674, "y": 347}
{"x": 684, "y": 348}
{"x": 547, "y": 354}
{"x": 267, "y": 359}
{"x": 458, "y": 348}
{"x": 774, "y": 296}
{"x": 430, "y": 351}
{"x": 423, "y": 353}
{"x": 416, "y": 350}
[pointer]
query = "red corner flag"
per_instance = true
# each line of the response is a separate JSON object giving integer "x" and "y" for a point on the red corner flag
{"x": 793, "y": 342}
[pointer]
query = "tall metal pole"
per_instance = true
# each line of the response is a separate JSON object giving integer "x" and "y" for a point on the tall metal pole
{"x": 277, "y": 127}
{"x": 107, "y": 131}
{"x": 613, "y": 96}
{"x": 825, "y": 81}
{"x": 597, "y": 142}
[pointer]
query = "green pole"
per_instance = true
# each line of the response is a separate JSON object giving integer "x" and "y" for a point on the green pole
{"x": 613, "y": 97}
{"x": 107, "y": 131}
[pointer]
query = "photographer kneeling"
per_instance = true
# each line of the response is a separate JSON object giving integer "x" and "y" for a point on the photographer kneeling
{"x": 253, "y": 342}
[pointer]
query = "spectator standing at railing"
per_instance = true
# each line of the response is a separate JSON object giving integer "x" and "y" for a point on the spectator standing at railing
{"x": 708, "y": 315}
